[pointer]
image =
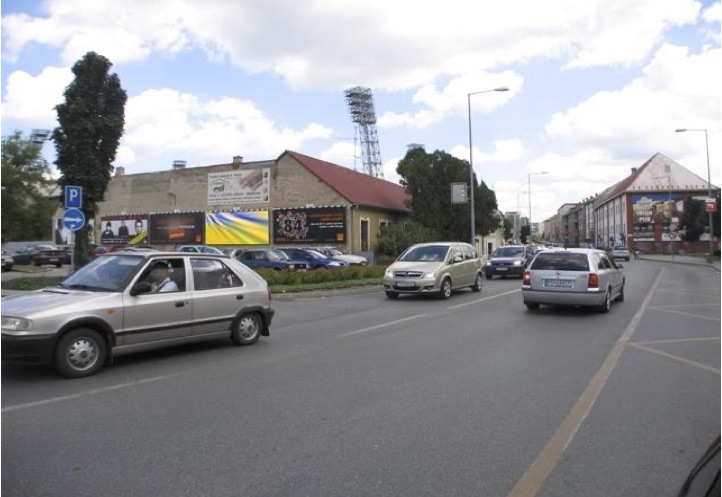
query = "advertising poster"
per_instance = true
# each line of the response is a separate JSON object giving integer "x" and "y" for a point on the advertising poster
{"x": 237, "y": 228}
{"x": 309, "y": 225}
{"x": 123, "y": 229}
{"x": 662, "y": 209}
{"x": 239, "y": 187}
{"x": 177, "y": 228}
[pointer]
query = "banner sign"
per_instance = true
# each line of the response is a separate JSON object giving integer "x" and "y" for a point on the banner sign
{"x": 309, "y": 225}
{"x": 652, "y": 209}
{"x": 124, "y": 229}
{"x": 177, "y": 228}
{"x": 238, "y": 187}
{"x": 237, "y": 228}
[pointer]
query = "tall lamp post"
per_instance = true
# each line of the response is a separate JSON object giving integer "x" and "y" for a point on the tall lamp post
{"x": 710, "y": 250}
{"x": 529, "y": 175}
{"x": 471, "y": 160}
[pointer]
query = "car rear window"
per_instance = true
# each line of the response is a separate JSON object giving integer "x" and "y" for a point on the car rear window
{"x": 561, "y": 261}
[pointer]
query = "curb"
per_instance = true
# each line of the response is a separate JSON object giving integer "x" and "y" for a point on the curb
{"x": 713, "y": 265}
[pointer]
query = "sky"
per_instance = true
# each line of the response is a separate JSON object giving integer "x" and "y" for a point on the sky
{"x": 595, "y": 87}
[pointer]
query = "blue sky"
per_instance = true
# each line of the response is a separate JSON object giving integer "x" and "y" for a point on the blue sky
{"x": 595, "y": 86}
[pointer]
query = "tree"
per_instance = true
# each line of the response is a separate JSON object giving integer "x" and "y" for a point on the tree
{"x": 27, "y": 212}
{"x": 508, "y": 229}
{"x": 91, "y": 122}
{"x": 395, "y": 238}
{"x": 428, "y": 178}
{"x": 694, "y": 219}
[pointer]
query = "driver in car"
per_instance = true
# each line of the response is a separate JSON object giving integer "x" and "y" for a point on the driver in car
{"x": 161, "y": 281}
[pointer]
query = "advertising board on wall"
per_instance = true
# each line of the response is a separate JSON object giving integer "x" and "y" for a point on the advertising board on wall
{"x": 237, "y": 228}
{"x": 176, "y": 228}
{"x": 239, "y": 187}
{"x": 309, "y": 225}
{"x": 123, "y": 229}
{"x": 662, "y": 209}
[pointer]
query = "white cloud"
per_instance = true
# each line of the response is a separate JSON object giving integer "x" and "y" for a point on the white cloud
{"x": 31, "y": 99}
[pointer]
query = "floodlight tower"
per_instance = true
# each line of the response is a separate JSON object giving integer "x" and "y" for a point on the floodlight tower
{"x": 361, "y": 106}
{"x": 38, "y": 138}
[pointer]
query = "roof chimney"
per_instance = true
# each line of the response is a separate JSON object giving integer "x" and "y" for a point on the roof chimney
{"x": 237, "y": 159}
{"x": 119, "y": 171}
{"x": 179, "y": 164}
{"x": 634, "y": 170}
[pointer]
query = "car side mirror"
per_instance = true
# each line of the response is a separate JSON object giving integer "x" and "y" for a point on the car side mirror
{"x": 140, "y": 288}
{"x": 457, "y": 258}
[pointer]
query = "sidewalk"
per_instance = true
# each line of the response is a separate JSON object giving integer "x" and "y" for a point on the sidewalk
{"x": 681, "y": 259}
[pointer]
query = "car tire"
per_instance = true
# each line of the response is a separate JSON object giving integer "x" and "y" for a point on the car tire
{"x": 604, "y": 308}
{"x": 478, "y": 283}
{"x": 620, "y": 297}
{"x": 532, "y": 306}
{"x": 392, "y": 295}
{"x": 247, "y": 329}
{"x": 58, "y": 265}
{"x": 80, "y": 352}
{"x": 445, "y": 289}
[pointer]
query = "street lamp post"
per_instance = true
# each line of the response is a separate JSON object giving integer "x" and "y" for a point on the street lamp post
{"x": 529, "y": 175}
{"x": 471, "y": 160}
{"x": 710, "y": 249}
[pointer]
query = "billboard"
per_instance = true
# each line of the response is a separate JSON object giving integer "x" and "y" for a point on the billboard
{"x": 237, "y": 228}
{"x": 123, "y": 229}
{"x": 309, "y": 225}
{"x": 238, "y": 187}
{"x": 650, "y": 209}
{"x": 177, "y": 228}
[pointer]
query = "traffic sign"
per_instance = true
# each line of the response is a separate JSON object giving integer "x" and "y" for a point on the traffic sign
{"x": 74, "y": 219}
{"x": 711, "y": 205}
{"x": 73, "y": 197}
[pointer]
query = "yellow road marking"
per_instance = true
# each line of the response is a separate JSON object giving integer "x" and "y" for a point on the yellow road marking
{"x": 676, "y": 358}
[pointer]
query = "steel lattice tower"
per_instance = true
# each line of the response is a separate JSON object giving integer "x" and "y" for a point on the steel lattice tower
{"x": 361, "y": 106}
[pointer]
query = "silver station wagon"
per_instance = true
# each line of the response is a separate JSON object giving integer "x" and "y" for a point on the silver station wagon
{"x": 434, "y": 268}
{"x": 573, "y": 277}
{"x": 135, "y": 301}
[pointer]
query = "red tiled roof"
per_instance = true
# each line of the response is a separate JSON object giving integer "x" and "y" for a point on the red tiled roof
{"x": 357, "y": 188}
{"x": 618, "y": 188}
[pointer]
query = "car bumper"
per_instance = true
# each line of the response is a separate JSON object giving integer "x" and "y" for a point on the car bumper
{"x": 28, "y": 349}
{"x": 562, "y": 298}
{"x": 416, "y": 285}
{"x": 504, "y": 270}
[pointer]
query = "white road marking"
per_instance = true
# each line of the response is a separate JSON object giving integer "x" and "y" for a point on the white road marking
{"x": 382, "y": 325}
{"x": 484, "y": 299}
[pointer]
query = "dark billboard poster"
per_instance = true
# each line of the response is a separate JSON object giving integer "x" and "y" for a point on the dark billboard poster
{"x": 177, "y": 228}
{"x": 309, "y": 225}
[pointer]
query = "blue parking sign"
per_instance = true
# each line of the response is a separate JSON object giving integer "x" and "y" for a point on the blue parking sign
{"x": 74, "y": 219}
{"x": 73, "y": 197}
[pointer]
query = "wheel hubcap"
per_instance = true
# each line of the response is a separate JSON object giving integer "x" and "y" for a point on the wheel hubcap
{"x": 248, "y": 327}
{"x": 82, "y": 354}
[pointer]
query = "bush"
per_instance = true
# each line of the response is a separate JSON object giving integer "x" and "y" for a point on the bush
{"x": 395, "y": 238}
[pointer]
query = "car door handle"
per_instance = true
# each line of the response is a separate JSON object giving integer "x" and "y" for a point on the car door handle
{"x": 239, "y": 297}
{"x": 180, "y": 304}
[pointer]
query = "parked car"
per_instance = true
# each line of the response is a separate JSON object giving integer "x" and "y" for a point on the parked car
{"x": 573, "y": 277}
{"x": 336, "y": 255}
{"x": 270, "y": 259}
{"x": 509, "y": 260}
{"x": 434, "y": 268}
{"x": 7, "y": 261}
{"x": 41, "y": 255}
{"x": 620, "y": 252}
{"x": 315, "y": 260}
{"x": 72, "y": 327}
{"x": 200, "y": 249}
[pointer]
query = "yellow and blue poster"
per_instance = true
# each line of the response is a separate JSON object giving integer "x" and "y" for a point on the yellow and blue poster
{"x": 237, "y": 228}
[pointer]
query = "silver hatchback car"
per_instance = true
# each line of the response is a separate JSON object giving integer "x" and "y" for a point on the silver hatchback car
{"x": 573, "y": 277}
{"x": 128, "y": 302}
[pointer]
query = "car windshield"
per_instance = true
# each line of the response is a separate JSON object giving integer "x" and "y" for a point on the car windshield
{"x": 508, "y": 252}
{"x": 426, "y": 253}
{"x": 560, "y": 261}
{"x": 315, "y": 254}
{"x": 276, "y": 255}
{"x": 109, "y": 273}
{"x": 334, "y": 251}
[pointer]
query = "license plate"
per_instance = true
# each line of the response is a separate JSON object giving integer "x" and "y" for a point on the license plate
{"x": 53, "y": 260}
{"x": 405, "y": 284}
{"x": 502, "y": 269}
{"x": 558, "y": 283}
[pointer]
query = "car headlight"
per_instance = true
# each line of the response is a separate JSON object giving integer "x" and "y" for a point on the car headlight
{"x": 389, "y": 273}
{"x": 16, "y": 324}
{"x": 432, "y": 274}
{"x": 518, "y": 263}
{"x": 488, "y": 263}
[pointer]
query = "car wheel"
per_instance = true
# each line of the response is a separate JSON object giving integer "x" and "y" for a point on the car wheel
{"x": 392, "y": 295}
{"x": 477, "y": 283}
{"x": 80, "y": 353}
{"x": 445, "y": 290}
{"x": 58, "y": 265}
{"x": 247, "y": 329}
{"x": 620, "y": 297}
{"x": 532, "y": 306}
{"x": 607, "y": 301}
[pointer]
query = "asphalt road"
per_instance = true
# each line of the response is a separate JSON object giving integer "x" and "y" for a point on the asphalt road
{"x": 356, "y": 395}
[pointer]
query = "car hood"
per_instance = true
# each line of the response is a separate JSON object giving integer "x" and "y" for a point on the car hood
{"x": 425, "y": 267}
{"x": 54, "y": 301}
{"x": 353, "y": 259}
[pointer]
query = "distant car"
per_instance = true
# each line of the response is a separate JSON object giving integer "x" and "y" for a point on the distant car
{"x": 336, "y": 255}
{"x": 621, "y": 253}
{"x": 434, "y": 268}
{"x": 41, "y": 255}
{"x": 509, "y": 260}
{"x": 314, "y": 259}
{"x": 270, "y": 259}
{"x": 7, "y": 261}
{"x": 573, "y": 277}
{"x": 200, "y": 249}
{"x": 115, "y": 305}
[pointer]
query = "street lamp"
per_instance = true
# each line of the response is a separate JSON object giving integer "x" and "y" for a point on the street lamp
{"x": 529, "y": 175}
{"x": 471, "y": 160}
{"x": 709, "y": 188}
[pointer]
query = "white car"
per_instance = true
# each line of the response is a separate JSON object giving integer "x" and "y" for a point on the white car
{"x": 620, "y": 253}
{"x": 336, "y": 255}
{"x": 200, "y": 249}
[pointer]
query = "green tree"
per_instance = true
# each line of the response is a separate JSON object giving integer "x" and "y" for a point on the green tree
{"x": 428, "y": 178}
{"x": 395, "y": 238}
{"x": 508, "y": 229}
{"x": 91, "y": 122}
{"x": 694, "y": 219}
{"x": 27, "y": 212}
